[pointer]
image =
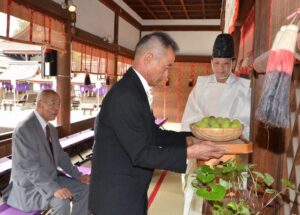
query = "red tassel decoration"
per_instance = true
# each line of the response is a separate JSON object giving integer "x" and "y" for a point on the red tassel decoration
{"x": 273, "y": 109}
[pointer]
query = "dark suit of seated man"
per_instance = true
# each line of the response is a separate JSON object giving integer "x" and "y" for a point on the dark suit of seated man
{"x": 35, "y": 182}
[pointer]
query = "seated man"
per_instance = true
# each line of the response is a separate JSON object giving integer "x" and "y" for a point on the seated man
{"x": 35, "y": 182}
{"x": 221, "y": 95}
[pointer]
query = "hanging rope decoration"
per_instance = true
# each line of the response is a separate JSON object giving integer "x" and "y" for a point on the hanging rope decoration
{"x": 273, "y": 109}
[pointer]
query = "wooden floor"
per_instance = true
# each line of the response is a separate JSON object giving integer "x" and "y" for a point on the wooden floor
{"x": 169, "y": 198}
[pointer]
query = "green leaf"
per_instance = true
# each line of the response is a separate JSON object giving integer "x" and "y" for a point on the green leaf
{"x": 241, "y": 167}
{"x": 217, "y": 170}
{"x": 258, "y": 174}
{"x": 215, "y": 193}
{"x": 243, "y": 210}
{"x": 217, "y": 207}
{"x": 232, "y": 205}
{"x": 195, "y": 183}
{"x": 224, "y": 183}
{"x": 271, "y": 191}
{"x": 268, "y": 179}
{"x": 205, "y": 177}
{"x": 288, "y": 184}
{"x": 251, "y": 165}
{"x": 206, "y": 169}
{"x": 227, "y": 169}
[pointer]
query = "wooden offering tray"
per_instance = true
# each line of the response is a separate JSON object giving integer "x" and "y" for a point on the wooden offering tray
{"x": 238, "y": 146}
{"x": 237, "y": 149}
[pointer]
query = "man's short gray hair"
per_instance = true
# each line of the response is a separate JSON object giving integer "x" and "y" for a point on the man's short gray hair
{"x": 44, "y": 93}
{"x": 150, "y": 42}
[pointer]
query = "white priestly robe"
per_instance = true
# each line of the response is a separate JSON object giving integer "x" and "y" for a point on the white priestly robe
{"x": 231, "y": 99}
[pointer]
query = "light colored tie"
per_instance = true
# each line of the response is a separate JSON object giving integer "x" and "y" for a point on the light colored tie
{"x": 150, "y": 96}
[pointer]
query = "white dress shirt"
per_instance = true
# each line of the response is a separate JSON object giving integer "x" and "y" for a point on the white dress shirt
{"x": 41, "y": 121}
{"x": 146, "y": 86}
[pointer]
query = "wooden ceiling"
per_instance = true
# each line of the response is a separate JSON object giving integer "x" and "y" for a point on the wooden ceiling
{"x": 176, "y": 9}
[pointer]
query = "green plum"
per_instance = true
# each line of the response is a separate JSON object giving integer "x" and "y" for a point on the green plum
{"x": 226, "y": 119}
{"x": 205, "y": 119}
{"x": 201, "y": 124}
{"x": 235, "y": 124}
{"x": 220, "y": 120}
{"x": 215, "y": 125}
{"x": 212, "y": 121}
{"x": 225, "y": 124}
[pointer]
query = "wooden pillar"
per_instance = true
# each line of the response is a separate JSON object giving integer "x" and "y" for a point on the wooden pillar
{"x": 236, "y": 35}
{"x": 64, "y": 86}
{"x": 116, "y": 41}
{"x": 268, "y": 142}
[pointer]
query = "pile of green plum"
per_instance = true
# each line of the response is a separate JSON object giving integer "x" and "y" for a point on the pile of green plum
{"x": 217, "y": 122}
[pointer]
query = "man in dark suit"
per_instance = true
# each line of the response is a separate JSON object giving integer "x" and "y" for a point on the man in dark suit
{"x": 35, "y": 183}
{"x": 129, "y": 146}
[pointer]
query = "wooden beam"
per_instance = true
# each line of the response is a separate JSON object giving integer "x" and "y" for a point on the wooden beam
{"x": 98, "y": 42}
{"x": 166, "y": 9}
{"x": 116, "y": 29}
{"x": 126, "y": 52}
{"x": 222, "y": 16}
{"x": 95, "y": 41}
{"x": 203, "y": 9}
{"x": 180, "y": 28}
{"x": 208, "y": 4}
{"x": 117, "y": 9}
{"x": 193, "y": 58}
{"x": 148, "y": 9}
{"x": 48, "y": 7}
{"x": 116, "y": 41}
{"x": 244, "y": 9}
{"x": 184, "y": 9}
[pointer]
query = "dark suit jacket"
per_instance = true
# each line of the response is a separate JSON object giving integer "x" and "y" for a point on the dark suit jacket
{"x": 128, "y": 147}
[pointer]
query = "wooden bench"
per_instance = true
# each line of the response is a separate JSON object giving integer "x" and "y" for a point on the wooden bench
{"x": 75, "y": 143}
{"x": 5, "y": 209}
{"x": 8, "y": 103}
{"x": 76, "y": 138}
{"x": 87, "y": 107}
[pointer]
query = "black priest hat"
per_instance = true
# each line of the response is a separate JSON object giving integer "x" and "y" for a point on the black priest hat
{"x": 223, "y": 46}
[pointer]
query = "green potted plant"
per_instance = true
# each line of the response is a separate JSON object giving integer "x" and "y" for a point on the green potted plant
{"x": 233, "y": 188}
